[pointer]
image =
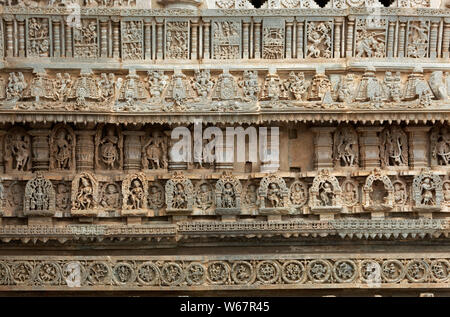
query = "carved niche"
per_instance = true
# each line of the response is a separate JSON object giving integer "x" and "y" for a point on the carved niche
{"x": 296, "y": 85}
{"x": 298, "y": 194}
{"x": 226, "y": 87}
{"x": 109, "y": 147}
{"x": 273, "y": 196}
{"x": 228, "y": 195}
{"x": 378, "y": 192}
{"x": 157, "y": 83}
{"x": 179, "y": 194}
{"x": 84, "y": 195}
{"x": 226, "y": 39}
{"x": 155, "y": 151}
{"x": 273, "y": 39}
{"x": 17, "y": 150}
{"x": 84, "y": 90}
{"x": 393, "y": 147}
{"x": 39, "y": 199}
{"x": 62, "y": 196}
{"x": 427, "y": 191}
{"x": 440, "y": 146}
{"x": 38, "y": 39}
{"x": 62, "y": 148}
{"x": 156, "y": 198}
{"x": 14, "y": 193}
{"x": 325, "y": 193}
{"x": 250, "y": 199}
{"x": 250, "y": 85}
{"x": 177, "y": 40}
{"x": 400, "y": 195}
{"x": 350, "y": 194}
{"x": 134, "y": 191}
{"x": 418, "y": 39}
{"x": 85, "y": 39}
{"x": 204, "y": 197}
{"x": 345, "y": 147}
{"x": 370, "y": 37}
{"x": 446, "y": 193}
{"x": 273, "y": 88}
{"x": 319, "y": 41}
{"x": 110, "y": 197}
{"x": 132, "y": 40}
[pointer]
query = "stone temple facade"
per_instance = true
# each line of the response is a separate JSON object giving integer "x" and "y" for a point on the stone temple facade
{"x": 94, "y": 198}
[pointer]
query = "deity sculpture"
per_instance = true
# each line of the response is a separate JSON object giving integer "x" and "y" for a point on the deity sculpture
{"x": 427, "y": 191}
{"x": 179, "y": 194}
{"x": 250, "y": 85}
{"x": 134, "y": 191}
{"x": 110, "y": 196}
{"x": 84, "y": 194}
{"x": 109, "y": 145}
{"x": 204, "y": 197}
{"x": 39, "y": 199}
{"x": 297, "y": 85}
{"x": 154, "y": 152}
{"x": 440, "y": 146}
{"x": 273, "y": 195}
{"x": 346, "y": 151}
{"x": 394, "y": 147}
{"x": 62, "y": 148}
{"x": 18, "y": 150}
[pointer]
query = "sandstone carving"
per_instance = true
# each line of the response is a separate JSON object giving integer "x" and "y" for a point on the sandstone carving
{"x": 179, "y": 194}
{"x": 134, "y": 191}
{"x": 39, "y": 197}
{"x": 84, "y": 195}
{"x": 273, "y": 196}
{"x": 228, "y": 195}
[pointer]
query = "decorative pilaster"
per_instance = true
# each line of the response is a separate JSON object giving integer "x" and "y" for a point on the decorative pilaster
{"x": 434, "y": 39}
{"x": 369, "y": 146}
{"x": 159, "y": 38}
{"x": 132, "y": 150}
{"x": 9, "y": 36}
{"x": 289, "y": 39}
{"x": 56, "y": 38}
{"x": 323, "y": 147}
{"x": 194, "y": 39}
{"x": 300, "y": 39}
{"x": 257, "y": 27}
{"x": 116, "y": 38}
{"x": 148, "y": 39}
{"x": 418, "y": 146}
{"x": 68, "y": 39}
{"x": 446, "y": 39}
{"x": 84, "y": 151}
{"x": 390, "y": 44}
{"x": 401, "y": 38}
{"x": 206, "y": 40}
{"x": 245, "y": 38}
{"x": 21, "y": 34}
{"x": 349, "y": 40}
{"x": 103, "y": 38}
{"x": 40, "y": 149}
{"x": 2, "y": 153}
{"x": 337, "y": 37}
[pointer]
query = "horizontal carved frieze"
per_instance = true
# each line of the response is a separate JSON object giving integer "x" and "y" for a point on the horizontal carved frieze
{"x": 226, "y": 272}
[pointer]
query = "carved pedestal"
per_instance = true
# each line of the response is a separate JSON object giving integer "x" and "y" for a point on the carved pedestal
{"x": 323, "y": 145}
{"x": 369, "y": 146}
{"x": 40, "y": 149}
{"x": 418, "y": 146}
{"x": 85, "y": 150}
{"x": 132, "y": 150}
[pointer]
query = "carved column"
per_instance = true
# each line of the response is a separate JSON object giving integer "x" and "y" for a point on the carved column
{"x": 104, "y": 38}
{"x": 369, "y": 146}
{"x": 68, "y": 38}
{"x": 245, "y": 38}
{"x": 350, "y": 31}
{"x": 390, "y": 43}
{"x": 323, "y": 147}
{"x": 257, "y": 46}
{"x": 418, "y": 146}
{"x": 148, "y": 38}
{"x": 337, "y": 37}
{"x": 116, "y": 38}
{"x": 300, "y": 39}
{"x": 9, "y": 36}
{"x": 85, "y": 149}
{"x": 289, "y": 39}
{"x": 159, "y": 39}
{"x": 40, "y": 149}
{"x": 401, "y": 39}
{"x": 206, "y": 40}
{"x": 21, "y": 35}
{"x": 132, "y": 150}
{"x": 57, "y": 38}
{"x": 446, "y": 39}
{"x": 434, "y": 39}
{"x": 194, "y": 39}
{"x": 2, "y": 153}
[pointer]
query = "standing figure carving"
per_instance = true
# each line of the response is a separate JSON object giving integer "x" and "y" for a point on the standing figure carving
{"x": 17, "y": 150}
{"x": 346, "y": 152}
{"x": 155, "y": 151}
{"x": 394, "y": 147}
{"x": 84, "y": 194}
{"x": 109, "y": 147}
{"x": 62, "y": 148}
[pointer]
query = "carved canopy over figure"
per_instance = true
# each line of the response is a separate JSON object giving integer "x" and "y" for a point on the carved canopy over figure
{"x": 345, "y": 147}
{"x": 109, "y": 147}
{"x": 378, "y": 192}
{"x": 39, "y": 199}
{"x": 228, "y": 194}
{"x": 134, "y": 190}
{"x": 179, "y": 194}
{"x": 273, "y": 195}
{"x": 394, "y": 147}
{"x": 17, "y": 150}
{"x": 62, "y": 148}
{"x": 427, "y": 191}
{"x": 440, "y": 146}
{"x": 155, "y": 151}
{"x": 325, "y": 192}
{"x": 84, "y": 194}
